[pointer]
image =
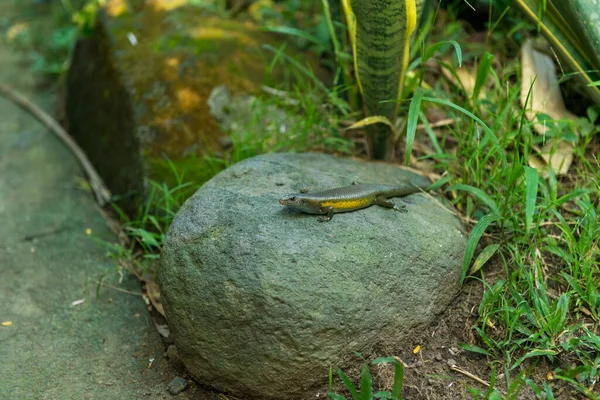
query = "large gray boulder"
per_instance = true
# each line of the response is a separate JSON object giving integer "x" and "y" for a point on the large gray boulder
{"x": 262, "y": 300}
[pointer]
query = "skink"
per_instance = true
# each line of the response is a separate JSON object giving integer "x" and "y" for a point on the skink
{"x": 347, "y": 198}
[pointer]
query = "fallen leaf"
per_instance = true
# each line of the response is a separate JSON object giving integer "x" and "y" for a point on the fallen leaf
{"x": 540, "y": 94}
{"x": 417, "y": 349}
{"x": 78, "y": 302}
{"x": 560, "y": 157}
{"x": 153, "y": 292}
{"x": 7, "y": 323}
{"x": 163, "y": 330}
{"x": 464, "y": 79}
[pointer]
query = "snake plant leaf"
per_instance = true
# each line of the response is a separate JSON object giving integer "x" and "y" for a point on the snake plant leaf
{"x": 573, "y": 30}
{"x": 381, "y": 32}
{"x": 374, "y": 119}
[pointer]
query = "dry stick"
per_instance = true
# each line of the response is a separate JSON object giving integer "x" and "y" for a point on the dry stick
{"x": 100, "y": 190}
{"x": 470, "y": 375}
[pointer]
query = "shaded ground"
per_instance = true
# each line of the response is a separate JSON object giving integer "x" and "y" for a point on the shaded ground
{"x": 54, "y": 350}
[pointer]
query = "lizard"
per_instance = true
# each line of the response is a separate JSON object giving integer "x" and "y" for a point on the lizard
{"x": 347, "y": 198}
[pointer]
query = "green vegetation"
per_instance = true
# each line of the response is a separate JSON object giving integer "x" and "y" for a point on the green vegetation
{"x": 538, "y": 231}
{"x": 366, "y": 382}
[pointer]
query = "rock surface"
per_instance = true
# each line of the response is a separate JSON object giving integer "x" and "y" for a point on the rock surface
{"x": 137, "y": 89}
{"x": 262, "y": 300}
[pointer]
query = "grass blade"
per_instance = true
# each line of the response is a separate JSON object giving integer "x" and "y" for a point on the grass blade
{"x": 398, "y": 375}
{"x": 479, "y": 194}
{"x": 411, "y": 122}
{"x": 484, "y": 257}
{"x": 398, "y": 380}
{"x": 431, "y": 50}
{"x": 473, "y": 241}
{"x": 366, "y": 384}
{"x": 287, "y": 30}
{"x": 474, "y": 349}
{"x": 348, "y": 383}
{"x": 531, "y": 178}
{"x": 499, "y": 150}
{"x": 533, "y": 353}
{"x": 482, "y": 74}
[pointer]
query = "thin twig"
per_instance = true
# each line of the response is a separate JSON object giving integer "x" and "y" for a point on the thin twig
{"x": 438, "y": 124}
{"x": 281, "y": 94}
{"x": 100, "y": 190}
{"x": 470, "y": 375}
{"x": 119, "y": 289}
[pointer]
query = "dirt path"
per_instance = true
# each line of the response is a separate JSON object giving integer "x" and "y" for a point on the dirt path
{"x": 101, "y": 349}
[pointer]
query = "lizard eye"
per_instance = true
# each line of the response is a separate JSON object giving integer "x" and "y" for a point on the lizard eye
{"x": 293, "y": 198}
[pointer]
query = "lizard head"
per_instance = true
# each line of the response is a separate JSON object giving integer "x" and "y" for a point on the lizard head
{"x": 296, "y": 201}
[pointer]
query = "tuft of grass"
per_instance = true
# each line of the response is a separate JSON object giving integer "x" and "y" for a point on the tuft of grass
{"x": 543, "y": 231}
{"x": 366, "y": 382}
{"x": 146, "y": 231}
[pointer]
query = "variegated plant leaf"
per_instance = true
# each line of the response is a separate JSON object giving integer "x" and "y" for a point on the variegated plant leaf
{"x": 381, "y": 32}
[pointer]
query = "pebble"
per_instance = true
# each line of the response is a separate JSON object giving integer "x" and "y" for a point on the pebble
{"x": 451, "y": 362}
{"x": 177, "y": 386}
{"x": 438, "y": 357}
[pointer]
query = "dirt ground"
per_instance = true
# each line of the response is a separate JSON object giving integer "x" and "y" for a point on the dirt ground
{"x": 429, "y": 373}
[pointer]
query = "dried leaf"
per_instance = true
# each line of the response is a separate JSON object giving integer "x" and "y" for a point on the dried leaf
{"x": 560, "y": 157}
{"x": 539, "y": 70}
{"x": 6, "y": 323}
{"x": 153, "y": 292}
{"x": 540, "y": 94}
{"x": 163, "y": 330}
{"x": 464, "y": 78}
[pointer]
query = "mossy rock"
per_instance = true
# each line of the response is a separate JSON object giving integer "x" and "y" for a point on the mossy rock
{"x": 137, "y": 89}
{"x": 262, "y": 300}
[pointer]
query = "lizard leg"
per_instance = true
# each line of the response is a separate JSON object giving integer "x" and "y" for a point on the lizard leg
{"x": 304, "y": 190}
{"x": 385, "y": 202}
{"x": 328, "y": 214}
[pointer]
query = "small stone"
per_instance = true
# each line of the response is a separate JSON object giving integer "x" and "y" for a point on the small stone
{"x": 177, "y": 386}
{"x": 438, "y": 357}
{"x": 451, "y": 362}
